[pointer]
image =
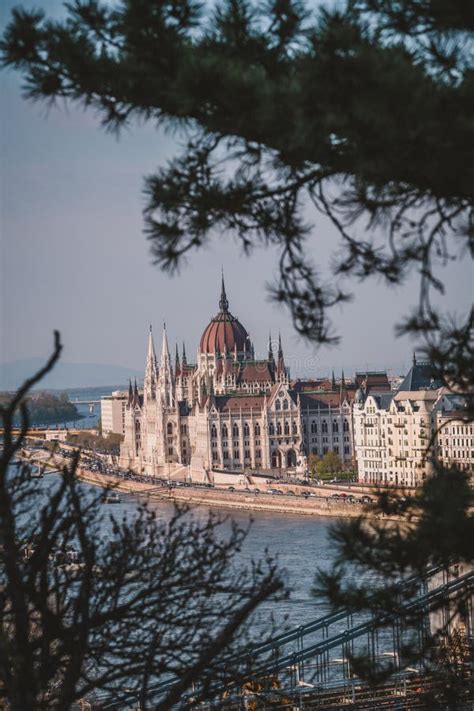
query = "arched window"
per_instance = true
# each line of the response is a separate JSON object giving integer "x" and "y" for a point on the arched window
{"x": 335, "y": 426}
{"x": 294, "y": 428}
{"x": 214, "y": 431}
{"x": 169, "y": 428}
{"x": 285, "y": 404}
{"x": 346, "y": 426}
{"x": 271, "y": 428}
{"x": 287, "y": 428}
{"x": 246, "y": 430}
{"x": 278, "y": 405}
{"x": 257, "y": 429}
{"x": 224, "y": 432}
{"x": 278, "y": 428}
{"x": 235, "y": 431}
{"x": 324, "y": 427}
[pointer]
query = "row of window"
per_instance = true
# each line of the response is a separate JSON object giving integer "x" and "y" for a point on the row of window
{"x": 226, "y": 455}
{"x": 235, "y": 430}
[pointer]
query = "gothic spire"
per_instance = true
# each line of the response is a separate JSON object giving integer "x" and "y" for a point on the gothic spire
{"x": 333, "y": 381}
{"x": 184, "y": 360}
{"x": 177, "y": 368}
{"x": 136, "y": 396}
{"x": 270, "y": 349}
{"x": 281, "y": 361}
{"x": 223, "y": 303}
{"x": 165, "y": 352}
{"x": 343, "y": 380}
{"x": 130, "y": 392}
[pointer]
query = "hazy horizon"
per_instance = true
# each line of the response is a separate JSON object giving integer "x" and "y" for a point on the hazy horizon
{"x": 74, "y": 256}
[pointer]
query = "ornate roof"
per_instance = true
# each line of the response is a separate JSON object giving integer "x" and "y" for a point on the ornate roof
{"x": 225, "y": 333}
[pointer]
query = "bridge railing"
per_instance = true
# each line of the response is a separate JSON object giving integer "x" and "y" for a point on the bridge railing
{"x": 312, "y": 665}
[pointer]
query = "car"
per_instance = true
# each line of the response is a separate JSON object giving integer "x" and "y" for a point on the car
{"x": 256, "y": 491}
{"x": 231, "y": 488}
{"x": 365, "y": 499}
{"x": 334, "y": 497}
{"x": 290, "y": 493}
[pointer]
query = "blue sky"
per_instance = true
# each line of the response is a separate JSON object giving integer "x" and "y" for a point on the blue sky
{"x": 74, "y": 257}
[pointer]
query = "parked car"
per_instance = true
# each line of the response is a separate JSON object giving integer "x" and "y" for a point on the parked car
{"x": 365, "y": 500}
{"x": 231, "y": 488}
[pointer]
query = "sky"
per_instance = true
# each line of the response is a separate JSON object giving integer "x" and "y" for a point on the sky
{"x": 74, "y": 256}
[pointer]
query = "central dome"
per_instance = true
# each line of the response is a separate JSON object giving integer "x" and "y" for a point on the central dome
{"x": 224, "y": 332}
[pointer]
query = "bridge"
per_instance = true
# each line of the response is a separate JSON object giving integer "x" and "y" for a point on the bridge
{"x": 310, "y": 667}
{"x": 85, "y": 402}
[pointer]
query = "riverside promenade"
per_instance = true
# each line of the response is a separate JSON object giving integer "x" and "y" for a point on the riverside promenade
{"x": 318, "y": 503}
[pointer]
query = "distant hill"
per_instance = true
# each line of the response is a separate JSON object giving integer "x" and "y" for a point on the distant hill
{"x": 65, "y": 375}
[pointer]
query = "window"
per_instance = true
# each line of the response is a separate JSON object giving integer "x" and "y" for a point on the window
{"x": 169, "y": 428}
{"x": 335, "y": 426}
{"x": 294, "y": 428}
{"x": 285, "y": 404}
{"x": 214, "y": 431}
{"x": 224, "y": 432}
{"x": 278, "y": 428}
{"x": 314, "y": 428}
{"x": 225, "y": 454}
{"x": 271, "y": 429}
{"x": 236, "y": 454}
{"x": 324, "y": 427}
{"x": 183, "y": 429}
{"x": 235, "y": 431}
{"x": 247, "y": 454}
{"x": 246, "y": 430}
{"x": 258, "y": 454}
{"x": 345, "y": 426}
{"x": 170, "y": 451}
{"x": 287, "y": 428}
{"x": 257, "y": 430}
{"x": 278, "y": 405}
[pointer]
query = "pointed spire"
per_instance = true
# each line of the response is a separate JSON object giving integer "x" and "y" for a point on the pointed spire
{"x": 414, "y": 358}
{"x": 177, "y": 369}
{"x": 343, "y": 380}
{"x": 165, "y": 353}
{"x": 136, "y": 396}
{"x": 333, "y": 381}
{"x": 184, "y": 360}
{"x": 223, "y": 303}
{"x": 270, "y": 349}
{"x": 281, "y": 361}
{"x": 130, "y": 392}
{"x": 151, "y": 356}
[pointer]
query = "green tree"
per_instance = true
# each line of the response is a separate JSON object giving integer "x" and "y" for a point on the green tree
{"x": 329, "y": 465}
{"x": 148, "y": 603}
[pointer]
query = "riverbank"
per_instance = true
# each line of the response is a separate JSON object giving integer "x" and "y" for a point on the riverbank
{"x": 221, "y": 497}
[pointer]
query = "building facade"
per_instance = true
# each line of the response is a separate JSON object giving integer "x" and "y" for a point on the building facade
{"x": 112, "y": 412}
{"x": 229, "y": 411}
{"x": 396, "y": 434}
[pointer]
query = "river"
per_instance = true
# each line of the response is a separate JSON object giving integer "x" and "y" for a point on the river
{"x": 300, "y": 544}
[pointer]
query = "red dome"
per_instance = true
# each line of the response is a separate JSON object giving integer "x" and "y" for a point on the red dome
{"x": 224, "y": 332}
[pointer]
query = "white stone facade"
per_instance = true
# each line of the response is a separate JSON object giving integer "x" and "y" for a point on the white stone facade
{"x": 230, "y": 411}
{"x": 397, "y": 434}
